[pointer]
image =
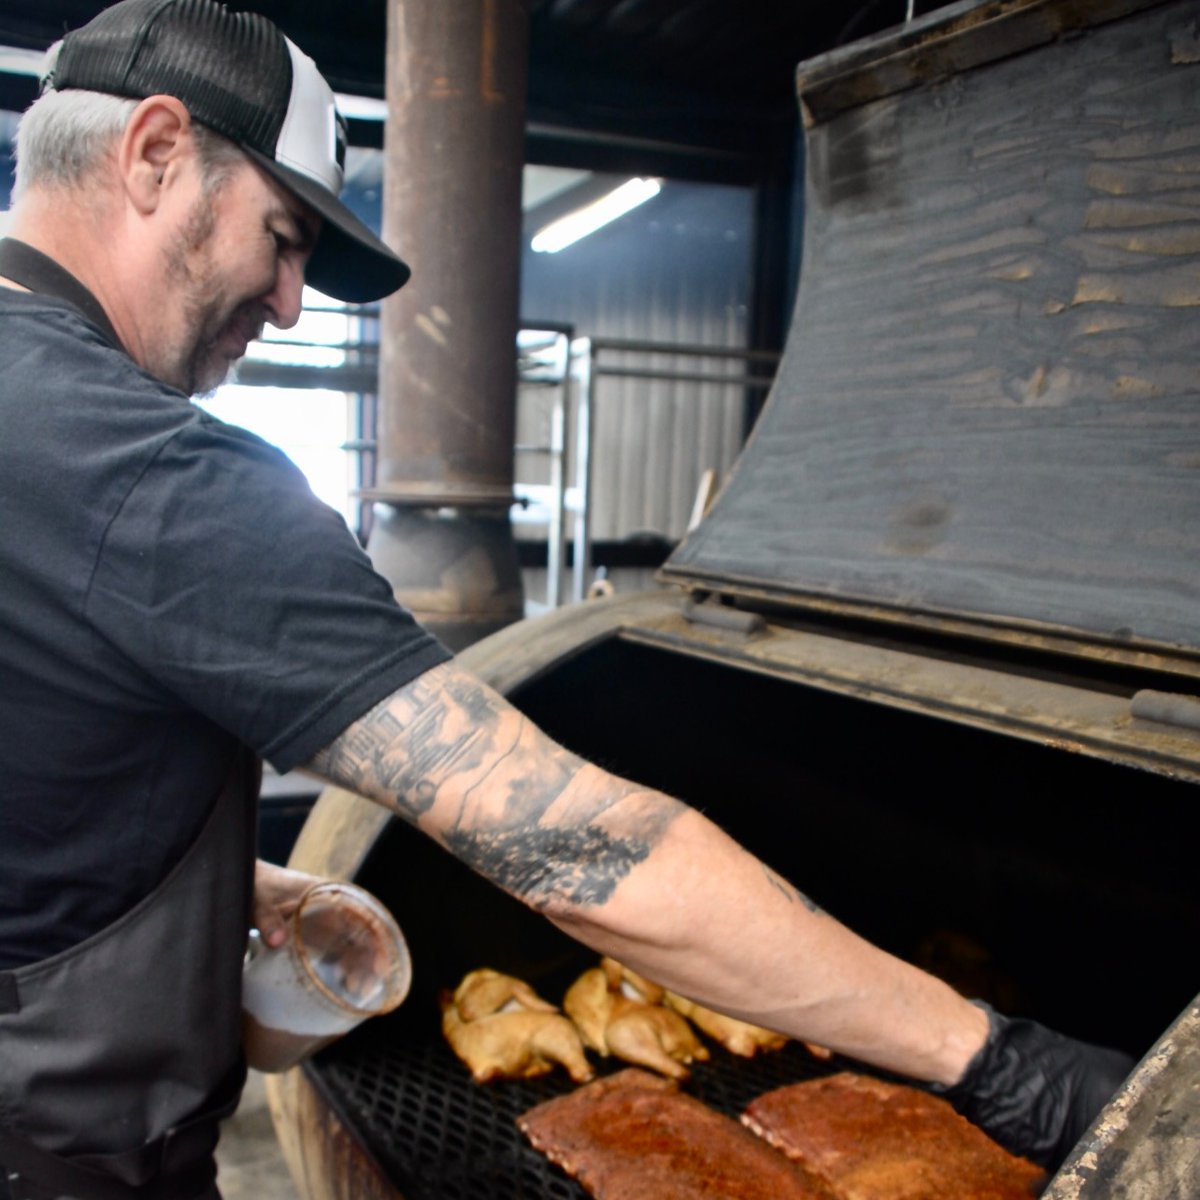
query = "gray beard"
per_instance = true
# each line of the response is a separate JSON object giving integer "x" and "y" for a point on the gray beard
{"x": 204, "y": 315}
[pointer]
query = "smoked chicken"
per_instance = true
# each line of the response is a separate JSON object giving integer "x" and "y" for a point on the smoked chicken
{"x": 618, "y": 974}
{"x": 613, "y": 1022}
{"x": 515, "y": 1034}
{"x": 485, "y": 991}
{"x": 738, "y": 1037}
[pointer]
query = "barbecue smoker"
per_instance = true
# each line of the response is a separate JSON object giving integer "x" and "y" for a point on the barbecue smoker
{"x": 935, "y": 652}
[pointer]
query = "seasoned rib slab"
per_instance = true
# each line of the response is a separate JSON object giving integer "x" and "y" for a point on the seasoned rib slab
{"x": 870, "y": 1140}
{"x": 635, "y": 1136}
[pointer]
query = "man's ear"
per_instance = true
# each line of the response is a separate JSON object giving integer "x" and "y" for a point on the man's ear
{"x": 156, "y": 142}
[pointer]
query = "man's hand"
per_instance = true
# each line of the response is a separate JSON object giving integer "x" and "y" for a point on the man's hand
{"x": 1035, "y": 1091}
{"x": 277, "y": 892}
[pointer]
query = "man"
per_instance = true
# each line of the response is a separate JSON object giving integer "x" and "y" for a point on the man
{"x": 173, "y": 594}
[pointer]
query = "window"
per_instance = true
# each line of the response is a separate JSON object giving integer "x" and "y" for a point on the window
{"x": 304, "y": 390}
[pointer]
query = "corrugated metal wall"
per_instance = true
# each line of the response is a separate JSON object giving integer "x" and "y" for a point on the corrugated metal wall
{"x": 677, "y": 270}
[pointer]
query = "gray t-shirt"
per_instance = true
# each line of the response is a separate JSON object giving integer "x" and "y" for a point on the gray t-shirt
{"x": 169, "y": 586}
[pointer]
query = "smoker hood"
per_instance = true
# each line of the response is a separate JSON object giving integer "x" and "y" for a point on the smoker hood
{"x": 987, "y": 418}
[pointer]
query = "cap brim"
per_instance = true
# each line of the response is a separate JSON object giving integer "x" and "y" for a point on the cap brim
{"x": 349, "y": 262}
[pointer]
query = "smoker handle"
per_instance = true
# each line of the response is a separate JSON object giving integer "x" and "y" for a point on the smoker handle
{"x": 1169, "y": 708}
{"x": 720, "y": 617}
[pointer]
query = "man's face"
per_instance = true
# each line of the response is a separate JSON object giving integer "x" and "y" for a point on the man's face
{"x": 235, "y": 263}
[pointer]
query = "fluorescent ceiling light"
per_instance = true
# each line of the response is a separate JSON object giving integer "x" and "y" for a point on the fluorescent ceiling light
{"x": 569, "y": 229}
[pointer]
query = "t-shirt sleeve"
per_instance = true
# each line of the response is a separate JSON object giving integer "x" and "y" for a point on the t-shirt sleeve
{"x": 233, "y": 588}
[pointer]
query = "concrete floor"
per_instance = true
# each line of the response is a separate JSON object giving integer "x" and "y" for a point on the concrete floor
{"x": 249, "y": 1163}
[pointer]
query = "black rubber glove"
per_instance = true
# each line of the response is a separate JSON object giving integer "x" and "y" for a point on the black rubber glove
{"x": 1035, "y": 1091}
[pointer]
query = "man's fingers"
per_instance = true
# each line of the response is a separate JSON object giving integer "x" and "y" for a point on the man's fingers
{"x": 271, "y": 928}
{"x": 277, "y": 893}
{"x": 270, "y": 917}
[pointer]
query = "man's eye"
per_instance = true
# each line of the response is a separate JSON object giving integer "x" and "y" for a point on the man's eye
{"x": 282, "y": 244}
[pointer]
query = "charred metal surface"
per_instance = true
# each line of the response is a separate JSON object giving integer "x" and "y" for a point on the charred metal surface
{"x": 1144, "y": 1144}
{"x": 1015, "y": 636}
{"x": 1166, "y": 708}
{"x": 720, "y": 616}
{"x": 455, "y": 569}
{"x": 454, "y": 146}
{"x": 741, "y": 725}
{"x": 934, "y": 47}
{"x": 988, "y": 409}
{"x": 1081, "y": 720}
{"x": 326, "y": 1157}
{"x": 452, "y": 188}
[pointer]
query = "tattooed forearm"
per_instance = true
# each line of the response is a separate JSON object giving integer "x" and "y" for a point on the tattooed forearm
{"x": 790, "y": 893}
{"x": 407, "y": 747}
{"x": 448, "y": 753}
{"x": 358, "y": 760}
{"x": 581, "y": 866}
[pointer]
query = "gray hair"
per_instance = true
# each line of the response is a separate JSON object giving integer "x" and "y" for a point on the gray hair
{"x": 63, "y": 136}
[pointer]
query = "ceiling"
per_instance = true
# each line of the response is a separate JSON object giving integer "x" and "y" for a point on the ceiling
{"x": 707, "y": 85}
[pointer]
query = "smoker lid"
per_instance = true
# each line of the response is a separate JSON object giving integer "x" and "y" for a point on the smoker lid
{"x": 989, "y": 404}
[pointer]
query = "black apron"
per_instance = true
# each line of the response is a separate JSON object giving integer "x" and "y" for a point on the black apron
{"x": 119, "y": 1056}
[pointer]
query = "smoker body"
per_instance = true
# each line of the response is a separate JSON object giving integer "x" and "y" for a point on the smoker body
{"x": 911, "y": 657}
{"x": 1019, "y": 862}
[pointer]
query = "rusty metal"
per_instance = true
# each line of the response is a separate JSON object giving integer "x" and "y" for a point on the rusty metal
{"x": 454, "y": 149}
{"x": 1139, "y": 1145}
{"x": 1019, "y": 637}
{"x": 455, "y": 569}
{"x": 941, "y": 44}
{"x": 1023, "y": 703}
{"x": 348, "y": 835}
{"x": 987, "y": 411}
{"x": 324, "y": 1154}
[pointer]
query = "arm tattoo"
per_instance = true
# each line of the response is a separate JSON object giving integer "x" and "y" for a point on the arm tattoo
{"x": 790, "y": 893}
{"x": 582, "y": 866}
{"x": 522, "y": 811}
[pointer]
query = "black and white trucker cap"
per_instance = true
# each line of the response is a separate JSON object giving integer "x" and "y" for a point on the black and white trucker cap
{"x": 239, "y": 76}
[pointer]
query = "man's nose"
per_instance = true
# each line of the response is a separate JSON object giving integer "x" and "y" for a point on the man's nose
{"x": 284, "y": 301}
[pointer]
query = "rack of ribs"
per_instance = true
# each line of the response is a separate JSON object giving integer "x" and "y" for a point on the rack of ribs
{"x": 871, "y": 1140}
{"x": 635, "y": 1136}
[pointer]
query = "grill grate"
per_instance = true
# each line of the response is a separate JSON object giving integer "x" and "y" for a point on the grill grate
{"x": 441, "y": 1136}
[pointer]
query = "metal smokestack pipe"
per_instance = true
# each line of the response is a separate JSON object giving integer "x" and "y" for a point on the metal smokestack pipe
{"x": 454, "y": 150}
